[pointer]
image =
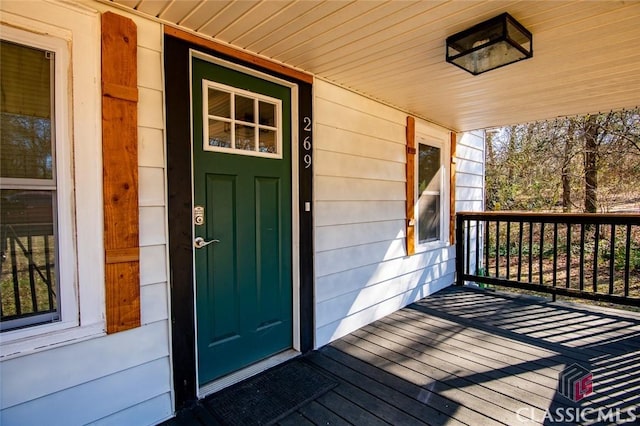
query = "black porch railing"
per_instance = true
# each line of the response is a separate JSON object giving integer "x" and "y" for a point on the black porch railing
{"x": 590, "y": 256}
{"x": 27, "y": 275}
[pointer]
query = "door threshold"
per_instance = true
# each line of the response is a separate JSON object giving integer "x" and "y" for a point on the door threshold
{"x": 245, "y": 373}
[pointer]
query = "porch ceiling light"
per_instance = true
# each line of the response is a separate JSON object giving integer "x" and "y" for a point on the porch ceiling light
{"x": 490, "y": 44}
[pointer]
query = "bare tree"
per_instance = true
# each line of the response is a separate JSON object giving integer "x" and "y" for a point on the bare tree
{"x": 591, "y": 153}
{"x": 589, "y": 162}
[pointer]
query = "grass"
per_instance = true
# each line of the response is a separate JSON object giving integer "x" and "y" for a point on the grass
{"x": 27, "y": 268}
{"x": 568, "y": 261}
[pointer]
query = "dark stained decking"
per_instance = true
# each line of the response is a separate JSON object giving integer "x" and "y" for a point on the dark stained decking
{"x": 465, "y": 356}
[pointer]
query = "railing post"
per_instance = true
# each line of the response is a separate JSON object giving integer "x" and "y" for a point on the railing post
{"x": 459, "y": 249}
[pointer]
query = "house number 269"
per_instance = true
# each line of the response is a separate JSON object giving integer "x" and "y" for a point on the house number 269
{"x": 306, "y": 143}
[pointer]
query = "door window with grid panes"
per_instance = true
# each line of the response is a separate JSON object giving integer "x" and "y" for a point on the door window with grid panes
{"x": 241, "y": 122}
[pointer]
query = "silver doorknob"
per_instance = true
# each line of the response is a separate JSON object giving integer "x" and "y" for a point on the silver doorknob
{"x": 199, "y": 242}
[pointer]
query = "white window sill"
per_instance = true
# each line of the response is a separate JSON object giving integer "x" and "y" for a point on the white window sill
{"x": 40, "y": 338}
{"x": 433, "y": 245}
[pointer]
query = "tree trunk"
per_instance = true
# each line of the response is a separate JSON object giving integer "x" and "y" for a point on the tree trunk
{"x": 566, "y": 170}
{"x": 490, "y": 187}
{"x": 566, "y": 188}
{"x": 591, "y": 166}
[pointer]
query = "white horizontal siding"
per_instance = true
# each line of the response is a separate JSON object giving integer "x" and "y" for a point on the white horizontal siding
{"x": 471, "y": 180}
{"x": 361, "y": 267}
{"x": 151, "y": 186}
{"x": 466, "y": 193}
{"x": 470, "y": 206}
{"x": 339, "y": 236}
{"x": 153, "y": 266}
{"x": 338, "y": 164}
{"x": 470, "y": 169}
{"x": 345, "y": 212}
{"x": 352, "y": 280}
{"x": 333, "y": 188}
{"x": 148, "y": 409}
{"x": 150, "y": 147}
{"x": 376, "y": 311}
{"x": 123, "y": 378}
{"x": 332, "y": 139}
{"x": 469, "y": 166}
{"x": 97, "y": 398}
{"x": 347, "y": 304}
{"x": 152, "y": 225}
{"x": 155, "y": 307}
{"x": 58, "y": 370}
{"x": 343, "y": 259}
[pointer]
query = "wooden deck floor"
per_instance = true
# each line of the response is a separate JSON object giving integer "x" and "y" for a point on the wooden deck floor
{"x": 464, "y": 356}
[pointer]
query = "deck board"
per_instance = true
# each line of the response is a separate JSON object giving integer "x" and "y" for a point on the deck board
{"x": 492, "y": 404}
{"x": 471, "y": 357}
{"x": 320, "y": 415}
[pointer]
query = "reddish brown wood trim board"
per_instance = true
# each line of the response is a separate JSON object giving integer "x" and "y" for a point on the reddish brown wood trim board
{"x": 120, "y": 172}
{"x": 411, "y": 170}
{"x": 238, "y": 54}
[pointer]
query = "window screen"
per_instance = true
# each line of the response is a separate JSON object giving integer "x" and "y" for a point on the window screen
{"x": 28, "y": 242}
{"x": 429, "y": 193}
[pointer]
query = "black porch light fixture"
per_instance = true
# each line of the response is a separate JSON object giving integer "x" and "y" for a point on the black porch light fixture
{"x": 490, "y": 44}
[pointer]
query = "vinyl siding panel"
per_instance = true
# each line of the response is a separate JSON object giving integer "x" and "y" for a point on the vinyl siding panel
{"x": 342, "y": 327}
{"x": 335, "y": 237}
{"x": 103, "y": 396}
{"x": 150, "y": 147}
{"x": 153, "y": 265}
{"x": 334, "y": 285}
{"x": 59, "y": 370}
{"x": 332, "y": 139}
{"x": 470, "y": 170}
{"x": 361, "y": 267}
{"x": 341, "y": 306}
{"x": 123, "y": 378}
{"x": 150, "y": 408}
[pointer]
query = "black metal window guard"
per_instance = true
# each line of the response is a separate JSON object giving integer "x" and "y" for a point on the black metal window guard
{"x": 590, "y": 256}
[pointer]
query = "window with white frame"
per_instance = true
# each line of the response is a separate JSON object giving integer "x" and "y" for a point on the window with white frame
{"x": 432, "y": 187}
{"x": 241, "y": 122}
{"x": 51, "y": 219}
{"x": 34, "y": 221}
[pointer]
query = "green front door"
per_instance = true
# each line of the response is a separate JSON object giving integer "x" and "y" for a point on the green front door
{"x": 242, "y": 199}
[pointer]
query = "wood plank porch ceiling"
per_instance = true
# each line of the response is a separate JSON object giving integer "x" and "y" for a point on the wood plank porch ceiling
{"x": 586, "y": 57}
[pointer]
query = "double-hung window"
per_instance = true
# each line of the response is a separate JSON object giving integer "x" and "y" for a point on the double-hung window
{"x": 432, "y": 187}
{"x": 34, "y": 208}
{"x": 51, "y": 211}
